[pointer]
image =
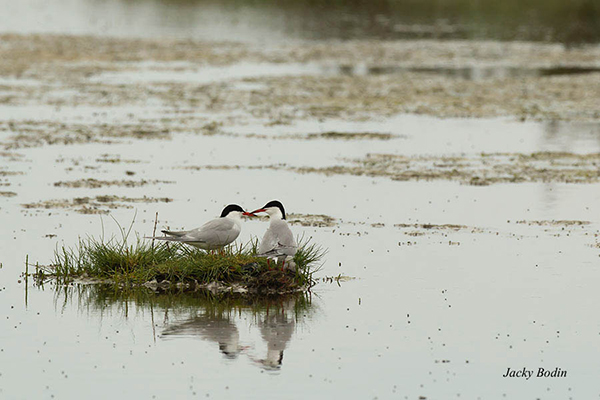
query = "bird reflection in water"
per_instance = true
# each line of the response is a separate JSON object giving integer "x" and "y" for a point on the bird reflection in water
{"x": 212, "y": 327}
{"x": 275, "y": 318}
{"x": 276, "y": 328}
{"x": 212, "y": 317}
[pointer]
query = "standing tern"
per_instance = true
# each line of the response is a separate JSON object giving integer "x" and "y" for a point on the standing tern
{"x": 215, "y": 234}
{"x": 278, "y": 242}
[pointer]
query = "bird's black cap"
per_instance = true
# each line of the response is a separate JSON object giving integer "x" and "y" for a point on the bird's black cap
{"x": 276, "y": 203}
{"x": 230, "y": 208}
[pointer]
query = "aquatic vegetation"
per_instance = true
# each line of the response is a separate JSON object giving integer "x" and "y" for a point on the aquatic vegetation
{"x": 94, "y": 205}
{"x": 165, "y": 265}
{"x": 350, "y": 135}
{"x": 473, "y": 169}
{"x": 95, "y": 183}
{"x": 477, "y": 170}
{"x": 559, "y": 223}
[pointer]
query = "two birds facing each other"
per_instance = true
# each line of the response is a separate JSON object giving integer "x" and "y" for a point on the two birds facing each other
{"x": 277, "y": 243}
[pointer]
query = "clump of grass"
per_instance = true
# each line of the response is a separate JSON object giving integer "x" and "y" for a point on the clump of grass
{"x": 174, "y": 264}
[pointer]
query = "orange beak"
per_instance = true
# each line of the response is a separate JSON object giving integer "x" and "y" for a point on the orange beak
{"x": 257, "y": 211}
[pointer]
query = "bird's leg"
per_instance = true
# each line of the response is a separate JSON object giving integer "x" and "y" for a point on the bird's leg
{"x": 268, "y": 263}
{"x": 282, "y": 264}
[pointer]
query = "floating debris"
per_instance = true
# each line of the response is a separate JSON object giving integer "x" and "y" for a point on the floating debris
{"x": 318, "y": 220}
{"x": 95, "y": 183}
{"x": 482, "y": 169}
{"x": 95, "y": 205}
{"x": 554, "y": 222}
{"x": 351, "y": 135}
{"x": 115, "y": 159}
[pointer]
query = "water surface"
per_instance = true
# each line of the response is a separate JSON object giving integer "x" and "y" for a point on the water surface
{"x": 569, "y": 22}
{"x": 447, "y": 283}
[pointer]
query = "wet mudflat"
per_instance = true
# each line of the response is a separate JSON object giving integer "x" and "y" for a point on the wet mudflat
{"x": 455, "y": 184}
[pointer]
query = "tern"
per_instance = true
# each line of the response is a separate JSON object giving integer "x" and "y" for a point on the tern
{"x": 278, "y": 242}
{"x": 215, "y": 234}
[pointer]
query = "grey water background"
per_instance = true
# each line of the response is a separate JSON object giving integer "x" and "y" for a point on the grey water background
{"x": 435, "y": 316}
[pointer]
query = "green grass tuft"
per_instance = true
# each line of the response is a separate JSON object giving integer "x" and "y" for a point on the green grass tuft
{"x": 167, "y": 264}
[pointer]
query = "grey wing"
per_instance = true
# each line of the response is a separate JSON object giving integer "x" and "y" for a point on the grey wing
{"x": 278, "y": 240}
{"x": 217, "y": 232}
{"x": 172, "y": 236}
{"x": 285, "y": 237}
{"x": 268, "y": 242}
{"x": 178, "y": 236}
{"x": 211, "y": 227}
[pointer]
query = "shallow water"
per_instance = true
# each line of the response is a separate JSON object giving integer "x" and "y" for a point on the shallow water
{"x": 432, "y": 311}
{"x": 446, "y": 284}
